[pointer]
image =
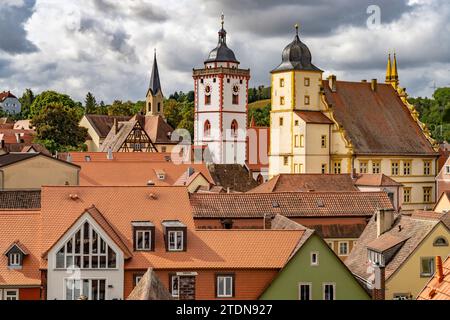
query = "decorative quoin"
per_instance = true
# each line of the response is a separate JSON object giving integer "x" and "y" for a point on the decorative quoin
{"x": 221, "y": 100}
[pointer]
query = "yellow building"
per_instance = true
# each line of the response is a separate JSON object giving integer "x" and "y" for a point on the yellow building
{"x": 405, "y": 247}
{"x": 33, "y": 170}
{"x": 330, "y": 126}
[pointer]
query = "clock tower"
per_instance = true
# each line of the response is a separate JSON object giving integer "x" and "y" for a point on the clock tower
{"x": 221, "y": 100}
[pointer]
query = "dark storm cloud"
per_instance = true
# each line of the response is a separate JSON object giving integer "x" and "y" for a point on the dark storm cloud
{"x": 316, "y": 17}
{"x": 148, "y": 12}
{"x": 13, "y": 38}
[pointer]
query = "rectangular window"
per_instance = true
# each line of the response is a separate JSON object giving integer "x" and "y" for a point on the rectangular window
{"x": 343, "y": 248}
{"x": 296, "y": 122}
{"x": 306, "y": 100}
{"x": 394, "y": 168}
{"x": 296, "y": 141}
{"x": 306, "y": 82}
{"x": 207, "y": 99}
{"x": 9, "y": 294}
{"x": 447, "y": 169}
{"x": 329, "y": 291}
{"x": 324, "y": 168}
{"x": 282, "y": 101}
{"x": 281, "y": 83}
{"x": 314, "y": 258}
{"x": 323, "y": 141}
{"x": 406, "y": 195}
{"x": 406, "y": 167}
{"x": 376, "y": 166}
{"x": 163, "y": 149}
{"x": 427, "y": 194}
{"x": 286, "y": 160}
{"x": 143, "y": 239}
{"x": 426, "y": 267}
{"x": 14, "y": 259}
{"x": 337, "y": 167}
{"x": 363, "y": 166}
{"x": 427, "y": 167}
{"x": 175, "y": 240}
{"x": 235, "y": 99}
{"x": 302, "y": 141}
{"x": 281, "y": 121}
{"x": 90, "y": 289}
{"x": 174, "y": 280}
{"x": 304, "y": 291}
{"x": 225, "y": 286}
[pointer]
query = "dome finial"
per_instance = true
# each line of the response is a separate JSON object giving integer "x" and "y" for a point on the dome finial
{"x": 296, "y": 26}
{"x": 222, "y": 18}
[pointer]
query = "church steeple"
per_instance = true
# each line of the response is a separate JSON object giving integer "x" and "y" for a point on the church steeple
{"x": 392, "y": 72}
{"x": 389, "y": 70}
{"x": 154, "y": 102}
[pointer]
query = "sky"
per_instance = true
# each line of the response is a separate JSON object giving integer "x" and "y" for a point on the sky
{"x": 107, "y": 46}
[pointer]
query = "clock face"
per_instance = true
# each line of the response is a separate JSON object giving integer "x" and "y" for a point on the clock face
{"x": 235, "y": 89}
{"x": 208, "y": 89}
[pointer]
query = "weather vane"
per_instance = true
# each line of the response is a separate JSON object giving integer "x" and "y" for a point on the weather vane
{"x": 296, "y": 28}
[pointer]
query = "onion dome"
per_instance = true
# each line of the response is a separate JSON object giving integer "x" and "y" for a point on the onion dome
{"x": 222, "y": 53}
{"x": 296, "y": 56}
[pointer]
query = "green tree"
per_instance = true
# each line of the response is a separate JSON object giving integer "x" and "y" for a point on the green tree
{"x": 102, "y": 108}
{"x": 119, "y": 108}
{"x": 26, "y": 101}
{"x": 90, "y": 104}
{"x": 261, "y": 115}
{"x": 187, "y": 117}
{"x": 172, "y": 112}
{"x": 48, "y": 97}
{"x": 57, "y": 128}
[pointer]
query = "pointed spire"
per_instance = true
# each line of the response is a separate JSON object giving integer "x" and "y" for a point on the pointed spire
{"x": 394, "y": 68}
{"x": 155, "y": 84}
{"x": 389, "y": 70}
{"x": 222, "y": 32}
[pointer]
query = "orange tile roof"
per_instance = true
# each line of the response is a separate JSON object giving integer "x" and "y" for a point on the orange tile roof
{"x": 22, "y": 227}
{"x": 205, "y": 249}
{"x": 376, "y": 180}
{"x": 435, "y": 289}
{"x": 314, "y": 117}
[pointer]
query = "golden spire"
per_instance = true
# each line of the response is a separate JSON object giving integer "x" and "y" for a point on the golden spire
{"x": 389, "y": 70}
{"x": 394, "y": 68}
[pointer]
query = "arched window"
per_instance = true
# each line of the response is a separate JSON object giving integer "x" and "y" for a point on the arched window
{"x": 234, "y": 128}
{"x": 207, "y": 129}
{"x": 440, "y": 242}
{"x": 86, "y": 250}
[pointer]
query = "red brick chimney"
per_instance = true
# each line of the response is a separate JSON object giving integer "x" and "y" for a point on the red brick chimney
{"x": 379, "y": 287}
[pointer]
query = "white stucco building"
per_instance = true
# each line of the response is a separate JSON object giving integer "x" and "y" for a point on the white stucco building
{"x": 221, "y": 105}
{"x": 9, "y": 103}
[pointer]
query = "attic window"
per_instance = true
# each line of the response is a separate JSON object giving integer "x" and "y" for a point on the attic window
{"x": 143, "y": 236}
{"x": 15, "y": 259}
{"x": 175, "y": 235}
{"x": 161, "y": 174}
{"x": 440, "y": 242}
{"x": 15, "y": 256}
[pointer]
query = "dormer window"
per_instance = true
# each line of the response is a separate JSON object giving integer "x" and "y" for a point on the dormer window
{"x": 144, "y": 236}
{"x": 15, "y": 255}
{"x": 175, "y": 235}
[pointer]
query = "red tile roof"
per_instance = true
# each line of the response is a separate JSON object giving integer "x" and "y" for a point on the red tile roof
{"x": 290, "y": 204}
{"x": 6, "y": 94}
{"x": 375, "y": 180}
{"x": 376, "y": 122}
{"x": 316, "y": 117}
{"x": 438, "y": 289}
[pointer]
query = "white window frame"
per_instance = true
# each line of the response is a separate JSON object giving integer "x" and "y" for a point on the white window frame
{"x": 309, "y": 285}
{"x": 89, "y": 295}
{"x": 316, "y": 263}
{"x": 348, "y": 248}
{"x": 324, "y": 285}
{"x": 144, "y": 247}
{"x": 172, "y": 279}
{"x": 137, "y": 279}
{"x": 173, "y": 246}
{"x": 14, "y": 259}
{"x": 5, "y": 294}
{"x": 225, "y": 294}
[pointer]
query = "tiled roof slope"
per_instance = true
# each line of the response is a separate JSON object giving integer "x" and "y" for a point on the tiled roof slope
{"x": 316, "y": 117}
{"x": 265, "y": 249}
{"x": 233, "y": 176}
{"x": 290, "y": 204}
{"x": 102, "y": 124}
{"x": 413, "y": 231}
{"x": 376, "y": 180}
{"x": 341, "y": 231}
{"x": 307, "y": 182}
{"x": 22, "y": 226}
{"x": 115, "y": 140}
{"x": 20, "y": 199}
{"x": 376, "y": 122}
{"x": 435, "y": 289}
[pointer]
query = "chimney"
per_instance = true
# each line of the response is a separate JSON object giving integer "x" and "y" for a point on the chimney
{"x": 115, "y": 126}
{"x": 384, "y": 219}
{"x": 379, "y": 287}
{"x": 69, "y": 157}
{"x": 439, "y": 269}
{"x": 364, "y": 81}
{"x": 373, "y": 85}
{"x": 353, "y": 174}
{"x": 268, "y": 221}
{"x": 109, "y": 155}
{"x": 332, "y": 82}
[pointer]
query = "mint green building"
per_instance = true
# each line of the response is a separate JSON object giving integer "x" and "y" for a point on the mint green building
{"x": 315, "y": 273}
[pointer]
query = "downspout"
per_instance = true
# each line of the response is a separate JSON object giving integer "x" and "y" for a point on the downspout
{"x": 3, "y": 180}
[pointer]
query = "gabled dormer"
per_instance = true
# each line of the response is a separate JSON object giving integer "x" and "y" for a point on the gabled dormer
{"x": 175, "y": 235}
{"x": 16, "y": 254}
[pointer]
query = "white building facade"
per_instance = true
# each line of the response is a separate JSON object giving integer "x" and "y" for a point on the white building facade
{"x": 9, "y": 103}
{"x": 221, "y": 101}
